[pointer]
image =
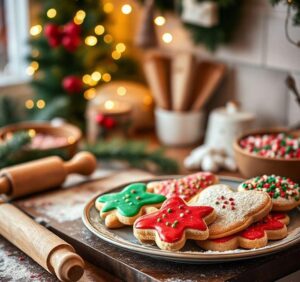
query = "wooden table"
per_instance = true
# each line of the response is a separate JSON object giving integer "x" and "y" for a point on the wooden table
{"x": 60, "y": 211}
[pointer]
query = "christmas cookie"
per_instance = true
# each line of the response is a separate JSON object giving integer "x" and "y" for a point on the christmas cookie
{"x": 284, "y": 192}
{"x": 272, "y": 227}
{"x": 173, "y": 224}
{"x": 123, "y": 208}
{"x": 186, "y": 187}
{"x": 235, "y": 210}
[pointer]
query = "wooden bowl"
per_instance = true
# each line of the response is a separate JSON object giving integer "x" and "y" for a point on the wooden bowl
{"x": 251, "y": 165}
{"x": 70, "y": 132}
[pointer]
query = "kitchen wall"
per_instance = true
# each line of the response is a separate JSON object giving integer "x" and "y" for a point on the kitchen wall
{"x": 258, "y": 59}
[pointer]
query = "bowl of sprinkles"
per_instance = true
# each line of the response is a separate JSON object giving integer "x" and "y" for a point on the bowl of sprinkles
{"x": 274, "y": 151}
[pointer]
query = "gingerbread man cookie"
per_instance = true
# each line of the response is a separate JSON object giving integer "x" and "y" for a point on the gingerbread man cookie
{"x": 186, "y": 187}
{"x": 123, "y": 208}
{"x": 272, "y": 227}
{"x": 173, "y": 224}
{"x": 284, "y": 192}
{"x": 235, "y": 210}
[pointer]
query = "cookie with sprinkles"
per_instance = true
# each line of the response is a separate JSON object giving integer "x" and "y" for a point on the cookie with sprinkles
{"x": 123, "y": 208}
{"x": 173, "y": 224}
{"x": 272, "y": 227}
{"x": 186, "y": 187}
{"x": 284, "y": 192}
{"x": 235, "y": 210}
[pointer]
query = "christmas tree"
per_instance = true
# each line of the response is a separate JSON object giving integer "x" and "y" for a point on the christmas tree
{"x": 71, "y": 53}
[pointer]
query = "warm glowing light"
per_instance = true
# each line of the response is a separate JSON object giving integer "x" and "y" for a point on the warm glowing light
{"x": 35, "y": 53}
{"x": 126, "y": 9}
{"x": 108, "y": 38}
{"x": 29, "y": 104}
{"x": 71, "y": 140}
{"x": 35, "y": 30}
{"x": 30, "y": 70}
{"x": 96, "y": 75}
{"x": 79, "y": 17}
{"x": 41, "y": 104}
{"x": 116, "y": 55}
{"x": 51, "y": 13}
{"x": 167, "y": 37}
{"x": 86, "y": 79}
{"x": 31, "y": 133}
{"x": 160, "y": 20}
{"x": 121, "y": 91}
{"x": 121, "y": 47}
{"x": 91, "y": 40}
{"x": 34, "y": 65}
{"x": 106, "y": 77}
{"x": 108, "y": 7}
{"x": 89, "y": 94}
{"x": 147, "y": 100}
{"x": 99, "y": 29}
{"x": 109, "y": 105}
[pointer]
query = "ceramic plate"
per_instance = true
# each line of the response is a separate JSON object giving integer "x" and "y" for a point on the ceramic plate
{"x": 124, "y": 238}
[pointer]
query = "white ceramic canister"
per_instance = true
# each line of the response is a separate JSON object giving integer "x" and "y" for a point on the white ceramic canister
{"x": 179, "y": 128}
{"x": 225, "y": 124}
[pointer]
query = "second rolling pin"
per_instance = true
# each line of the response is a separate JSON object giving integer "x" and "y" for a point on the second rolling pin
{"x": 43, "y": 174}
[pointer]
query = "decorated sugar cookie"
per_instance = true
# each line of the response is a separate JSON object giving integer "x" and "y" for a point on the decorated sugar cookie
{"x": 125, "y": 207}
{"x": 173, "y": 224}
{"x": 284, "y": 192}
{"x": 235, "y": 210}
{"x": 272, "y": 227}
{"x": 186, "y": 187}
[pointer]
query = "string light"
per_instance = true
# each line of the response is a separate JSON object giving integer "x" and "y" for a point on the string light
{"x": 109, "y": 105}
{"x": 167, "y": 37}
{"x": 51, "y": 13}
{"x": 91, "y": 40}
{"x": 96, "y": 75}
{"x": 40, "y": 104}
{"x": 121, "y": 91}
{"x": 35, "y": 53}
{"x": 121, "y": 47}
{"x": 79, "y": 17}
{"x": 108, "y": 38}
{"x": 30, "y": 70}
{"x": 126, "y": 9}
{"x": 108, "y": 7}
{"x": 89, "y": 94}
{"x": 34, "y": 65}
{"x": 31, "y": 133}
{"x": 106, "y": 77}
{"x": 86, "y": 79}
{"x": 116, "y": 55}
{"x": 35, "y": 30}
{"x": 160, "y": 20}
{"x": 99, "y": 29}
{"x": 29, "y": 104}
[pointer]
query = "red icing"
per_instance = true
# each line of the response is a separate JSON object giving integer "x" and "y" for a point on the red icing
{"x": 174, "y": 210}
{"x": 257, "y": 230}
{"x": 185, "y": 187}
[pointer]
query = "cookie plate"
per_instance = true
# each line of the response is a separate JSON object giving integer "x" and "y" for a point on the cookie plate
{"x": 191, "y": 253}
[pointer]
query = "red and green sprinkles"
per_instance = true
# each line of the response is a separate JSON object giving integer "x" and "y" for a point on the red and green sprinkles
{"x": 275, "y": 186}
{"x": 279, "y": 145}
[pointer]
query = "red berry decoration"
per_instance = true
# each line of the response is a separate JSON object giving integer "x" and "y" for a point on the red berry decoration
{"x": 52, "y": 30}
{"x": 72, "y": 84}
{"x": 109, "y": 123}
{"x": 100, "y": 119}
{"x": 54, "y": 41}
{"x": 71, "y": 42}
{"x": 71, "y": 29}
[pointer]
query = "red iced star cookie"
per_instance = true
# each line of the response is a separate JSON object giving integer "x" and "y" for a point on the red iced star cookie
{"x": 173, "y": 224}
{"x": 272, "y": 227}
{"x": 186, "y": 187}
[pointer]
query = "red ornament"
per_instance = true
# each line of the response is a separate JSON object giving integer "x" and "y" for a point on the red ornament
{"x": 100, "y": 119}
{"x": 52, "y": 31}
{"x": 54, "y": 42}
{"x": 71, "y": 29}
{"x": 71, "y": 42}
{"x": 72, "y": 84}
{"x": 109, "y": 123}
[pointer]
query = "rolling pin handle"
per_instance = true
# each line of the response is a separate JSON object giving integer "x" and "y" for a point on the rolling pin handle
{"x": 5, "y": 186}
{"x": 83, "y": 163}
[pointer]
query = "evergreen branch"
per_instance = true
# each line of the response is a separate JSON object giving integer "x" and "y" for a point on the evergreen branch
{"x": 135, "y": 153}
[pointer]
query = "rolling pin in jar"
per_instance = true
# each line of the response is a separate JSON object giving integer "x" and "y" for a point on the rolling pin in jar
{"x": 43, "y": 174}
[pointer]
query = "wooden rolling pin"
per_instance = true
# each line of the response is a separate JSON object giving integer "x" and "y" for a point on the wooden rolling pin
{"x": 43, "y": 174}
{"x": 48, "y": 250}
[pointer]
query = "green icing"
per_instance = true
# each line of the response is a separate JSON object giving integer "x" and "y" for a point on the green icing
{"x": 130, "y": 200}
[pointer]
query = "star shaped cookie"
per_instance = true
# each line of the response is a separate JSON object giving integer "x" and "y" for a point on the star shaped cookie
{"x": 173, "y": 224}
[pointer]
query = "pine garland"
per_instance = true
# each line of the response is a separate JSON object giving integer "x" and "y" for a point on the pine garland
{"x": 295, "y": 6}
{"x": 135, "y": 153}
{"x": 8, "y": 112}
